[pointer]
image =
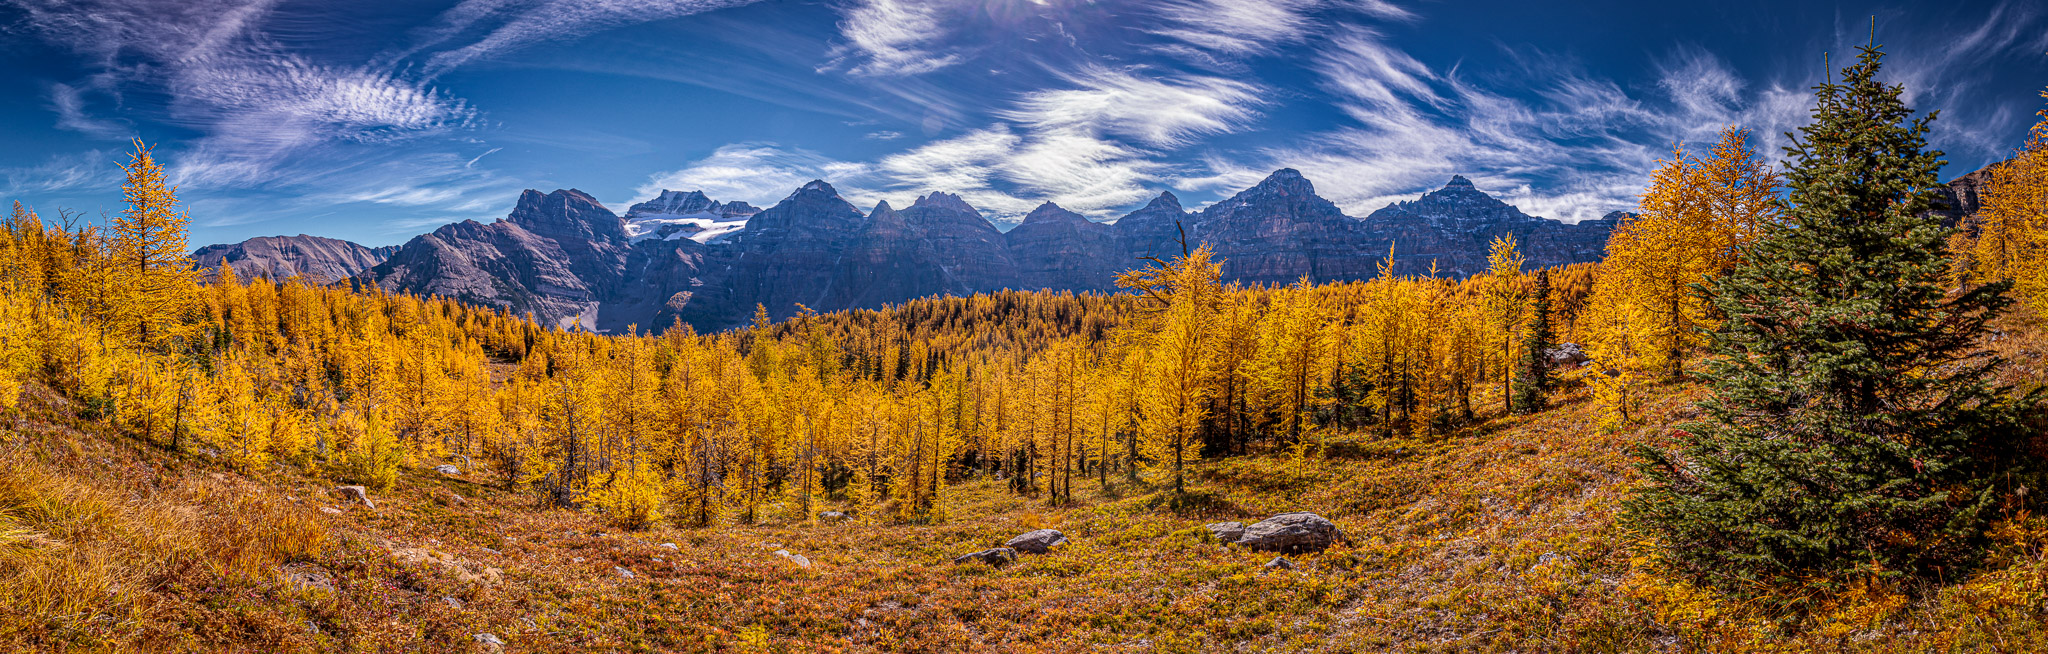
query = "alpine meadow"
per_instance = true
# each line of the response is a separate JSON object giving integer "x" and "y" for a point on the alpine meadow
{"x": 1773, "y": 385}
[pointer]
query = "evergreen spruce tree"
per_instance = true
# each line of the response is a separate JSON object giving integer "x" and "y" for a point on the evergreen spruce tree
{"x": 1851, "y": 431}
{"x": 1533, "y": 389}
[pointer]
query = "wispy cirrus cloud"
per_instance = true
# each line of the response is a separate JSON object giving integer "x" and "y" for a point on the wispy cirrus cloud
{"x": 1551, "y": 139}
{"x": 515, "y": 24}
{"x": 892, "y": 38}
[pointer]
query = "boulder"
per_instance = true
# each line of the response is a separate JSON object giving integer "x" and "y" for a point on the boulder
{"x": 1037, "y": 542}
{"x": 452, "y": 603}
{"x": 832, "y": 516}
{"x": 797, "y": 559}
{"x": 671, "y": 546}
{"x": 1279, "y": 563}
{"x": 355, "y": 494}
{"x": 490, "y": 642}
{"x": 1226, "y": 532}
{"x": 447, "y": 469}
{"x": 622, "y": 572}
{"x": 993, "y": 556}
{"x": 308, "y": 578}
{"x": 1290, "y": 533}
{"x": 1566, "y": 354}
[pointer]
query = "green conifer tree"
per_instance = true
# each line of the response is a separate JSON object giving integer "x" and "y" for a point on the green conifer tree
{"x": 1533, "y": 389}
{"x": 1851, "y": 430}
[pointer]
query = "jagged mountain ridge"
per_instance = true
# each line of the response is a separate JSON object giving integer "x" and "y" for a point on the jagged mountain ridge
{"x": 318, "y": 259}
{"x": 570, "y": 261}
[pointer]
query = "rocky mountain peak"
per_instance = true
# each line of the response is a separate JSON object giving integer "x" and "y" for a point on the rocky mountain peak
{"x": 567, "y": 213}
{"x": 1283, "y": 182}
{"x": 1052, "y": 214}
{"x": 816, "y": 186}
{"x": 948, "y": 201}
{"x": 1165, "y": 202}
{"x": 1458, "y": 181}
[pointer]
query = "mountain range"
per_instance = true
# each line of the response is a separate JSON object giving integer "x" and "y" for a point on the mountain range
{"x": 682, "y": 256}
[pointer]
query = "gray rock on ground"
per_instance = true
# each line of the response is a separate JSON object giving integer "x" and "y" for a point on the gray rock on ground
{"x": 623, "y": 573}
{"x": 490, "y": 642}
{"x": 1226, "y": 532}
{"x": 996, "y": 556}
{"x": 1566, "y": 354}
{"x": 832, "y": 516}
{"x": 355, "y": 494}
{"x": 1291, "y": 533}
{"x": 1279, "y": 563}
{"x": 797, "y": 559}
{"x": 447, "y": 469}
{"x": 1037, "y": 542}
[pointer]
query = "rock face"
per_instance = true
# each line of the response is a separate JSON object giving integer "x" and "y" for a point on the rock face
{"x": 686, "y": 257}
{"x": 678, "y": 215}
{"x": 1037, "y": 542}
{"x": 1453, "y": 226}
{"x": 316, "y": 259}
{"x": 1278, "y": 231}
{"x": 1964, "y": 195}
{"x": 939, "y": 245}
{"x": 1290, "y": 533}
{"x": 555, "y": 256}
{"x": 1058, "y": 249}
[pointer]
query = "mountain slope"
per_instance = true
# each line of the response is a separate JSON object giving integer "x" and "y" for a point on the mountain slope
{"x": 319, "y": 259}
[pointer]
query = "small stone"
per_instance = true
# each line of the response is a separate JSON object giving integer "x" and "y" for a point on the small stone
{"x": 490, "y": 642}
{"x": 576, "y": 559}
{"x": 447, "y": 469}
{"x": 797, "y": 559}
{"x": 530, "y": 624}
{"x": 656, "y": 558}
{"x": 832, "y": 516}
{"x": 356, "y": 494}
{"x": 623, "y": 573}
{"x": 1279, "y": 563}
{"x": 330, "y": 510}
{"x": 452, "y": 603}
{"x": 669, "y": 546}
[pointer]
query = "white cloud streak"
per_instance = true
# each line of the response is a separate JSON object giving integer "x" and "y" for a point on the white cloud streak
{"x": 891, "y": 38}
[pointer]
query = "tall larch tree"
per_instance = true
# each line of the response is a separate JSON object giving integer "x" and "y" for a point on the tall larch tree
{"x": 157, "y": 280}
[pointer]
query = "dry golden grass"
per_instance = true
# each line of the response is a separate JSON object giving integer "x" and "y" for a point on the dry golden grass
{"x": 1500, "y": 539}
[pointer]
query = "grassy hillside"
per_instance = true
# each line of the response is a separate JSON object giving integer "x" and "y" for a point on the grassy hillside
{"x": 1500, "y": 539}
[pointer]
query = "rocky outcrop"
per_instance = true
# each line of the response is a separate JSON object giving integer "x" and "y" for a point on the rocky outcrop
{"x": 316, "y": 259}
{"x": 1290, "y": 533}
{"x": 1038, "y": 541}
{"x": 1058, "y": 249}
{"x": 1963, "y": 196}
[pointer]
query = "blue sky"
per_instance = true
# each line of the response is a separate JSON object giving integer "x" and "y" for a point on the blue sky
{"x": 375, "y": 121}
